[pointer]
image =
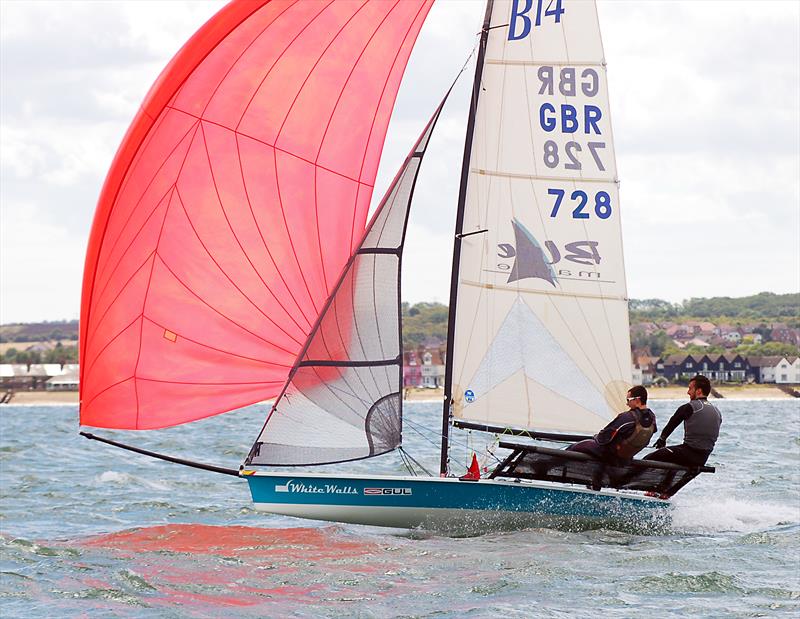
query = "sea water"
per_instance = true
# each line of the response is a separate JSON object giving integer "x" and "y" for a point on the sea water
{"x": 90, "y": 530}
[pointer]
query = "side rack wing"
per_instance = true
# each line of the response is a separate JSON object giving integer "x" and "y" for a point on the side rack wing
{"x": 513, "y": 431}
{"x": 543, "y": 464}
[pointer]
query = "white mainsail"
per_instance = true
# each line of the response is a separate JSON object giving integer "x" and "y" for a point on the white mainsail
{"x": 540, "y": 321}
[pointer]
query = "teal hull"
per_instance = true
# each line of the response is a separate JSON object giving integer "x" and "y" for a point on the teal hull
{"x": 451, "y": 505}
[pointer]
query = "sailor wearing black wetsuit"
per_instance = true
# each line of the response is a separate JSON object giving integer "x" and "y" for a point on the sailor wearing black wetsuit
{"x": 701, "y": 422}
{"x": 627, "y": 434}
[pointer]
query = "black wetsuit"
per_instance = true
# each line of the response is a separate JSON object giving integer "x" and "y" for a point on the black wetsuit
{"x": 621, "y": 427}
{"x": 701, "y": 421}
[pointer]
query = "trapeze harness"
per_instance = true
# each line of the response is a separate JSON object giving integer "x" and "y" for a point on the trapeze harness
{"x": 633, "y": 444}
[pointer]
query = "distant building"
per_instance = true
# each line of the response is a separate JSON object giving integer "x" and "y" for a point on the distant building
{"x": 732, "y": 336}
{"x": 752, "y": 338}
{"x": 644, "y": 369}
{"x": 787, "y": 372}
{"x": 432, "y": 369}
{"x": 19, "y": 376}
{"x": 719, "y": 368}
{"x": 63, "y": 382}
{"x": 681, "y": 366}
{"x": 786, "y": 335}
{"x": 412, "y": 369}
{"x": 423, "y": 368}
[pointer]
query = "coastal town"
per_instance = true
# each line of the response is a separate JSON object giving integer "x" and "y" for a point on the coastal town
{"x": 665, "y": 354}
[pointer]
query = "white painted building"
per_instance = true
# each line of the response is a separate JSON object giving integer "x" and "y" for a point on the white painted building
{"x": 432, "y": 373}
{"x": 787, "y": 371}
{"x": 733, "y": 336}
{"x": 63, "y": 382}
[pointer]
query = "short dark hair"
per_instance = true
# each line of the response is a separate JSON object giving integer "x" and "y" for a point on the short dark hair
{"x": 702, "y": 383}
{"x": 639, "y": 392}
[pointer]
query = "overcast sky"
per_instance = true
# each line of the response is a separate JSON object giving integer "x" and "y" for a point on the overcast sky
{"x": 705, "y": 105}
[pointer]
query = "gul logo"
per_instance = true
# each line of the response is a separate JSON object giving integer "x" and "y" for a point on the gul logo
{"x": 388, "y": 491}
{"x": 530, "y": 260}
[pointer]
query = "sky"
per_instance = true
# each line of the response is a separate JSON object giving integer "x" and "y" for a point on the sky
{"x": 705, "y": 107}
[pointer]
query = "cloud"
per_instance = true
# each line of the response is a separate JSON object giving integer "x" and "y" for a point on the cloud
{"x": 705, "y": 104}
{"x": 40, "y": 267}
{"x": 73, "y": 76}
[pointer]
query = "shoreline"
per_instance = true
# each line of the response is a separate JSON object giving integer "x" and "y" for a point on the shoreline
{"x": 732, "y": 392}
{"x": 678, "y": 392}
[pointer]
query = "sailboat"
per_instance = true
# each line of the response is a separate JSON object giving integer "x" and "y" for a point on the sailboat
{"x": 231, "y": 262}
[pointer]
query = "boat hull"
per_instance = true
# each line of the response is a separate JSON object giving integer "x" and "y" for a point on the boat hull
{"x": 452, "y": 505}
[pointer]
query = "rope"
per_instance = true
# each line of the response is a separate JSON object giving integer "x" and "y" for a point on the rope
{"x": 407, "y": 455}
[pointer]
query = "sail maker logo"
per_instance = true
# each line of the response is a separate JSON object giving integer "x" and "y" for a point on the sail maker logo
{"x": 298, "y": 487}
{"x": 530, "y": 261}
{"x": 389, "y": 491}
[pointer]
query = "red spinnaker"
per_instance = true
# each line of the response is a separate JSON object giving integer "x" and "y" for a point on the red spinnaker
{"x": 234, "y": 201}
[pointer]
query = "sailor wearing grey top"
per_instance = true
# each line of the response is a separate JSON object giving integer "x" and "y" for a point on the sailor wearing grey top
{"x": 701, "y": 423}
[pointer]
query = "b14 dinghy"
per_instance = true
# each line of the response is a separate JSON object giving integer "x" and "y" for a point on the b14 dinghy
{"x": 230, "y": 262}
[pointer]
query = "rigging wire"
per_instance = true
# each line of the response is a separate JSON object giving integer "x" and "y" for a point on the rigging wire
{"x": 408, "y": 459}
{"x": 438, "y": 435}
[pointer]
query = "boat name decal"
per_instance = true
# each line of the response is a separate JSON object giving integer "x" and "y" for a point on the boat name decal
{"x": 300, "y": 487}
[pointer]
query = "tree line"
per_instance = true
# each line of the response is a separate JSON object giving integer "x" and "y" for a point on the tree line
{"x": 425, "y": 324}
{"x": 764, "y": 306}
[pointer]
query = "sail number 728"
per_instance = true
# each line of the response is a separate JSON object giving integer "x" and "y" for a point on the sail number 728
{"x": 580, "y": 199}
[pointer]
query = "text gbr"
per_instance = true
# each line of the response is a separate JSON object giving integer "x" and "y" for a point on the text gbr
{"x": 565, "y": 119}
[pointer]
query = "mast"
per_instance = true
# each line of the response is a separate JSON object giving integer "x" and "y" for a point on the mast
{"x": 462, "y": 198}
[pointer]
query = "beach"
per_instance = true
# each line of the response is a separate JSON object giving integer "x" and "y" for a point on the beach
{"x": 678, "y": 392}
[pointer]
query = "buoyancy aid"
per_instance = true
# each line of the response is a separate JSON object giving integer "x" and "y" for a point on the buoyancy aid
{"x": 638, "y": 440}
{"x": 701, "y": 430}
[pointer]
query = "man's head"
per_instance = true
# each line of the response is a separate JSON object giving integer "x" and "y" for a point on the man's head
{"x": 699, "y": 387}
{"x": 637, "y": 397}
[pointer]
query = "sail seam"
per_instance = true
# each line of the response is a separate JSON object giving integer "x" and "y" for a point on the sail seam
{"x": 322, "y": 141}
{"x": 99, "y": 297}
{"x": 247, "y": 47}
{"x": 517, "y": 175}
{"x": 583, "y": 295}
{"x": 239, "y": 243}
{"x": 383, "y": 91}
{"x": 288, "y": 234}
{"x": 149, "y": 281}
{"x": 264, "y": 241}
{"x": 210, "y": 383}
{"x": 116, "y": 336}
{"x": 277, "y": 148}
{"x": 580, "y": 307}
{"x": 221, "y": 350}
{"x": 192, "y": 127}
{"x": 277, "y": 60}
{"x": 537, "y": 63}
{"x": 223, "y": 272}
{"x": 215, "y": 310}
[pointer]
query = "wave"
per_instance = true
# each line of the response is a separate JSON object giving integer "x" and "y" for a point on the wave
{"x": 729, "y": 514}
